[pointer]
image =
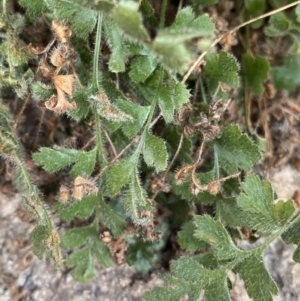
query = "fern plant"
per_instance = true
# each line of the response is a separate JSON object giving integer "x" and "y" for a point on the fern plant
{"x": 155, "y": 143}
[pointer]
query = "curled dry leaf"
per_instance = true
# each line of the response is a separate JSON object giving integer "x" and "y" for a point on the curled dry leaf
{"x": 45, "y": 69}
{"x": 62, "y": 32}
{"x": 63, "y": 55}
{"x": 82, "y": 187}
{"x": 60, "y": 103}
{"x": 64, "y": 83}
{"x": 36, "y": 50}
{"x": 64, "y": 193}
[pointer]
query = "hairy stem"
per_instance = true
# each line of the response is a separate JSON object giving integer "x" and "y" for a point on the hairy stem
{"x": 163, "y": 14}
{"x": 99, "y": 140}
{"x": 150, "y": 116}
{"x": 97, "y": 53}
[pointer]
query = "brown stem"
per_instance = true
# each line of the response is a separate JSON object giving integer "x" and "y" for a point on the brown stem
{"x": 14, "y": 127}
{"x": 110, "y": 143}
{"x": 196, "y": 165}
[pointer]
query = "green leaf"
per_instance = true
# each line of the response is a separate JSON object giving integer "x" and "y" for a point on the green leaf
{"x": 155, "y": 152}
{"x": 287, "y": 77}
{"x": 278, "y": 25}
{"x": 113, "y": 221}
{"x": 117, "y": 46}
{"x": 135, "y": 201}
{"x": 100, "y": 5}
{"x": 187, "y": 240}
{"x": 148, "y": 13}
{"x": 143, "y": 254}
{"x": 83, "y": 22}
{"x": 256, "y": 72}
{"x": 172, "y": 60}
{"x": 101, "y": 252}
{"x": 81, "y": 97}
{"x": 40, "y": 91}
{"x": 5, "y": 121}
{"x": 255, "y": 8}
{"x": 257, "y": 202}
{"x": 33, "y": 8}
{"x": 142, "y": 67}
{"x": 181, "y": 96}
{"x": 283, "y": 211}
{"x": 259, "y": 284}
{"x": 291, "y": 236}
{"x": 222, "y": 68}
{"x": 63, "y": 9}
{"x": 214, "y": 233}
{"x": 16, "y": 51}
{"x": 119, "y": 175}
{"x": 38, "y": 238}
{"x": 83, "y": 208}
{"x": 236, "y": 150}
{"x": 77, "y": 236}
{"x": 186, "y": 27}
{"x": 85, "y": 164}
{"x": 129, "y": 20}
{"x": 190, "y": 278}
{"x": 230, "y": 212}
{"x": 183, "y": 29}
{"x": 139, "y": 116}
{"x": 55, "y": 159}
{"x": 166, "y": 103}
{"x": 217, "y": 289}
{"x": 189, "y": 269}
{"x": 82, "y": 262}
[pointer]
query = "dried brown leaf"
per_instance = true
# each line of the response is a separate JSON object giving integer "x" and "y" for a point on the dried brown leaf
{"x": 62, "y": 32}
{"x": 83, "y": 186}
{"x": 64, "y": 83}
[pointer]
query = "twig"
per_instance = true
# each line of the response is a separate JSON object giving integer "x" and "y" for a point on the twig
{"x": 110, "y": 143}
{"x": 216, "y": 41}
{"x": 197, "y": 163}
{"x": 155, "y": 120}
{"x": 88, "y": 143}
{"x": 117, "y": 157}
{"x": 14, "y": 127}
{"x": 39, "y": 127}
{"x": 174, "y": 157}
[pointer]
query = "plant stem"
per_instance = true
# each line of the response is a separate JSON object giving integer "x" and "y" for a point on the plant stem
{"x": 96, "y": 86}
{"x": 99, "y": 140}
{"x": 216, "y": 163}
{"x": 96, "y": 53}
{"x": 202, "y": 91}
{"x": 216, "y": 41}
{"x": 279, "y": 232}
{"x": 4, "y": 7}
{"x": 163, "y": 14}
{"x": 35, "y": 203}
{"x": 150, "y": 116}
